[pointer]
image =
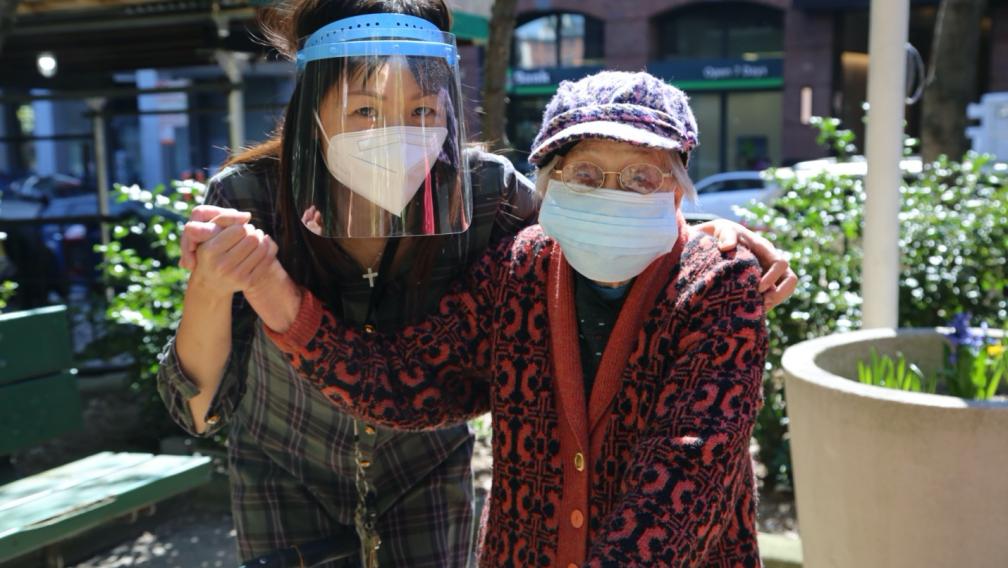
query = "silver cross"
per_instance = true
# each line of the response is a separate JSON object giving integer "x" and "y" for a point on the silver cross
{"x": 370, "y": 275}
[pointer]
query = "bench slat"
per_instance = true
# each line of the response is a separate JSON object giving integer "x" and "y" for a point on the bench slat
{"x": 54, "y": 505}
{"x": 64, "y": 478}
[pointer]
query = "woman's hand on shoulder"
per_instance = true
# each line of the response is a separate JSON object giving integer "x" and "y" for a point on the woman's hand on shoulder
{"x": 778, "y": 281}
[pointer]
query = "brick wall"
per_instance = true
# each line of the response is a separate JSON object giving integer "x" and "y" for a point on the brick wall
{"x": 808, "y": 62}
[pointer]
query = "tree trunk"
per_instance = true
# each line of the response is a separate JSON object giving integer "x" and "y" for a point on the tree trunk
{"x": 498, "y": 57}
{"x": 8, "y": 9}
{"x": 952, "y": 78}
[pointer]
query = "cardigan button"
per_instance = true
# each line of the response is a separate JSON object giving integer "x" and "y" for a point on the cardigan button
{"x": 577, "y": 518}
{"x": 572, "y": 565}
{"x": 579, "y": 461}
{"x": 369, "y": 329}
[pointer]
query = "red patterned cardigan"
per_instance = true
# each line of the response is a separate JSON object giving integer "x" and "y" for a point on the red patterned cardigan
{"x": 653, "y": 470}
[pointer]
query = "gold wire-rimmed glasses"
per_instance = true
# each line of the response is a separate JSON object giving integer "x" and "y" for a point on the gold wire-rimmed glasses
{"x": 583, "y": 176}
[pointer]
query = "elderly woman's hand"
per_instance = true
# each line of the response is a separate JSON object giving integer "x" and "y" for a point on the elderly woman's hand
{"x": 779, "y": 281}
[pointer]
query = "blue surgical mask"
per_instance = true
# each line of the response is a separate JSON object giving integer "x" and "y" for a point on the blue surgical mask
{"x": 609, "y": 235}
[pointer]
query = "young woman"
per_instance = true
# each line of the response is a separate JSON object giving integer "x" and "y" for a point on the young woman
{"x": 302, "y": 470}
{"x": 620, "y": 353}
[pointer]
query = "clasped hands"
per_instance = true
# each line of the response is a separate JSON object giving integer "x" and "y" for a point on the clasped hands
{"x": 226, "y": 255}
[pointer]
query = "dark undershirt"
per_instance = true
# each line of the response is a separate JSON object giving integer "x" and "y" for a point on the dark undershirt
{"x": 596, "y": 317}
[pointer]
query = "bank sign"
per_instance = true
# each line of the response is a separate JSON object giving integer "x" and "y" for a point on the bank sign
{"x": 544, "y": 80}
{"x": 719, "y": 74}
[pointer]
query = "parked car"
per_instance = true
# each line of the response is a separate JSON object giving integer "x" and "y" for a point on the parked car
{"x": 50, "y": 243}
{"x": 44, "y": 187}
{"x": 856, "y": 166}
{"x": 720, "y": 194}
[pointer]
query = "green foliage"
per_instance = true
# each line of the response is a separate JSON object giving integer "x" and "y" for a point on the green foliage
{"x": 885, "y": 372}
{"x": 975, "y": 372}
{"x": 839, "y": 140}
{"x": 482, "y": 426}
{"x": 953, "y": 239}
{"x": 141, "y": 264}
{"x": 7, "y": 287}
{"x": 975, "y": 361}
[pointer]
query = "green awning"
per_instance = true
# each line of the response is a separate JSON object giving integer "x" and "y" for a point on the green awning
{"x": 473, "y": 27}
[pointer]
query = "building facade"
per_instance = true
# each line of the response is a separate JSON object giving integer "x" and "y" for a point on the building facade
{"x": 160, "y": 74}
{"x": 755, "y": 70}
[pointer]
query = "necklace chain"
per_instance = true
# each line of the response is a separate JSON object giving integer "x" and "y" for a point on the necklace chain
{"x": 377, "y": 259}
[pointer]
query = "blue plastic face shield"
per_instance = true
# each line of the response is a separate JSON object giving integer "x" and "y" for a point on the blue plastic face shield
{"x": 379, "y": 130}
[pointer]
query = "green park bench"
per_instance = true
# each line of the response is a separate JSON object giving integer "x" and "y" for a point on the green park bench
{"x": 39, "y": 399}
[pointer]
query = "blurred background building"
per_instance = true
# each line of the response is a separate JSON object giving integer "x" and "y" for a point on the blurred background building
{"x": 164, "y": 76}
{"x": 755, "y": 71}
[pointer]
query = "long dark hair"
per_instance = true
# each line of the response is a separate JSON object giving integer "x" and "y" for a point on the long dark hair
{"x": 286, "y": 26}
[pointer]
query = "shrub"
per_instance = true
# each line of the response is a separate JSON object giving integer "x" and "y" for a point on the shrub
{"x": 953, "y": 240}
{"x": 141, "y": 264}
{"x": 7, "y": 288}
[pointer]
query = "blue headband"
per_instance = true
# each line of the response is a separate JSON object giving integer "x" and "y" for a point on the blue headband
{"x": 355, "y": 36}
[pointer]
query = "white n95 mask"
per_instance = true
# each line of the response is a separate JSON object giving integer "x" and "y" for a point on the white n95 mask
{"x": 386, "y": 166}
{"x": 608, "y": 235}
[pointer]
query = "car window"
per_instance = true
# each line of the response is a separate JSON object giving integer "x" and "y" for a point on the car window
{"x": 713, "y": 188}
{"x": 733, "y": 185}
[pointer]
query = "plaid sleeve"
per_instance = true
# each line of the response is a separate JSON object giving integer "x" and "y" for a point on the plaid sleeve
{"x": 240, "y": 189}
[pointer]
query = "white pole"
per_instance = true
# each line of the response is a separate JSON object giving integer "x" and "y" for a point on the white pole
{"x": 101, "y": 163}
{"x": 888, "y": 25}
{"x": 236, "y": 99}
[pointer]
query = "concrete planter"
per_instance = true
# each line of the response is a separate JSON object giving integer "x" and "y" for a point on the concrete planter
{"x": 885, "y": 478}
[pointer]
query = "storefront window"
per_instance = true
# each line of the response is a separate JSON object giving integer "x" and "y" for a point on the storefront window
{"x": 558, "y": 40}
{"x": 729, "y": 30}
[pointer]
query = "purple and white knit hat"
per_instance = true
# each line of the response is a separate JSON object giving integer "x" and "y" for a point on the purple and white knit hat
{"x": 637, "y": 108}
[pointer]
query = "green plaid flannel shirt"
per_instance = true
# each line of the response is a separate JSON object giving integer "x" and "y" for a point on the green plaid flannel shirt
{"x": 290, "y": 452}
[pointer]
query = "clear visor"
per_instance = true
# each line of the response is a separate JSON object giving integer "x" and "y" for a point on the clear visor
{"x": 378, "y": 151}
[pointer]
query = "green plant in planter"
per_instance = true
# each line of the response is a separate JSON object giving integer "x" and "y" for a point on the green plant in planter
{"x": 953, "y": 241}
{"x": 975, "y": 362}
{"x": 886, "y": 372}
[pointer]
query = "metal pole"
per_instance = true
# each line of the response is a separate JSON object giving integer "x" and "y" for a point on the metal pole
{"x": 97, "y": 106}
{"x": 888, "y": 25}
{"x": 236, "y": 99}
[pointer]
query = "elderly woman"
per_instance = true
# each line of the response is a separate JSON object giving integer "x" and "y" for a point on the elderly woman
{"x": 620, "y": 353}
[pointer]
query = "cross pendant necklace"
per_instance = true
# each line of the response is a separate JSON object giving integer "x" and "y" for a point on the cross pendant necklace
{"x": 370, "y": 275}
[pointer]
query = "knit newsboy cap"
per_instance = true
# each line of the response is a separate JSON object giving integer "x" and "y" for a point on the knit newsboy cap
{"x": 637, "y": 108}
